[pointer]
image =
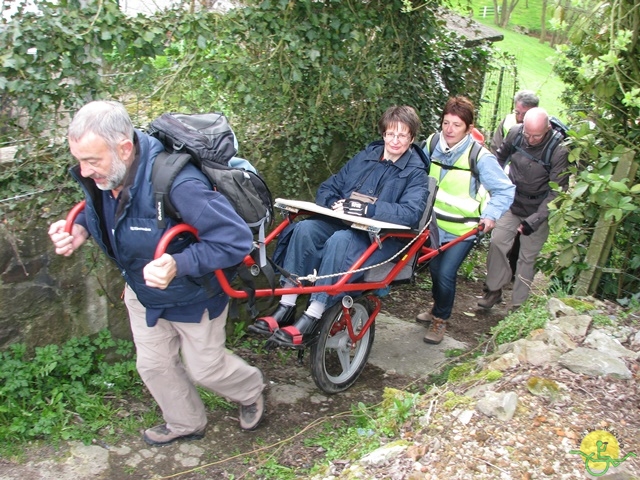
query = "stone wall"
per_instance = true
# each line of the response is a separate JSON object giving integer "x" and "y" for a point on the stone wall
{"x": 46, "y": 298}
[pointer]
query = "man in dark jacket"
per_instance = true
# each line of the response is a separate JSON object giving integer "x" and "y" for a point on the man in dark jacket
{"x": 177, "y": 309}
{"x": 523, "y": 101}
{"x": 529, "y": 212}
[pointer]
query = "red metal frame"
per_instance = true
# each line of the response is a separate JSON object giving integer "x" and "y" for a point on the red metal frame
{"x": 346, "y": 319}
{"x": 341, "y": 286}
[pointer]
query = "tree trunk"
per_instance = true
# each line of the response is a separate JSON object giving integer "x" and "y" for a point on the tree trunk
{"x": 507, "y": 9}
{"x": 496, "y": 13}
{"x": 600, "y": 246}
{"x": 543, "y": 22}
{"x": 504, "y": 14}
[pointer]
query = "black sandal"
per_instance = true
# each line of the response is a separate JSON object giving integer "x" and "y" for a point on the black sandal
{"x": 283, "y": 316}
{"x": 298, "y": 335}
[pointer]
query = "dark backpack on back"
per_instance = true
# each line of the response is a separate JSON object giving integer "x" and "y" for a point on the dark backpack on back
{"x": 559, "y": 126}
{"x": 207, "y": 141}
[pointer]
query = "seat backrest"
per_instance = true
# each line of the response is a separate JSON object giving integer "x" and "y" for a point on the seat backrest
{"x": 432, "y": 184}
{"x": 380, "y": 272}
{"x": 434, "y": 235}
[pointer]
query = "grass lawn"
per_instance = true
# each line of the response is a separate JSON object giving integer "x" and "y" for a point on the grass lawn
{"x": 534, "y": 59}
{"x": 535, "y": 62}
{"x": 527, "y": 14}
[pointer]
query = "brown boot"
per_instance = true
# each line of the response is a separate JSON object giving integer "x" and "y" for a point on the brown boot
{"x": 161, "y": 435}
{"x": 251, "y": 415}
{"x": 436, "y": 332}
{"x": 490, "y": 299}
{"x": 424, "y": 318}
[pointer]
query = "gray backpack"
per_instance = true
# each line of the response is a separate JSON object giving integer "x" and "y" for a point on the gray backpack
{"x": 207, "y": 141}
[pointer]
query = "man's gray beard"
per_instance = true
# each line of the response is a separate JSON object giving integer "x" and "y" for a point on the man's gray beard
{"x": 116, "y": 174}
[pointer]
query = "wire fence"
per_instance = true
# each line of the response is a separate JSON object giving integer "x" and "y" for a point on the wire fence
{"x": 499, "y": 87}
{"x": 619, "y": 284}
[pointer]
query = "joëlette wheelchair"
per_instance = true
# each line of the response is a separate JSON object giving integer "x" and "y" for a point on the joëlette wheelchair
{"x": 340, "y": 345}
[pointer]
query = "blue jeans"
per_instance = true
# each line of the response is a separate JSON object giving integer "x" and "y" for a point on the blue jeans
{"x": 444, "y": 269}
{"x": 330, "y": 247}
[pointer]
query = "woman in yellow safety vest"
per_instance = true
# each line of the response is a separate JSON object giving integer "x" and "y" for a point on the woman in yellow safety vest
{"x": 464, "y": 176}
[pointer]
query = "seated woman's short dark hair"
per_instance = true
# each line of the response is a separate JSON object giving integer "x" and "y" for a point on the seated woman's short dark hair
{"x": 400, "y": 114}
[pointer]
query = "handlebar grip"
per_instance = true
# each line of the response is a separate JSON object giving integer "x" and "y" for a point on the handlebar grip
{"x": 162, "y": 244}
{"x": 72, "y": 215}
{"x": 170, "y": 235}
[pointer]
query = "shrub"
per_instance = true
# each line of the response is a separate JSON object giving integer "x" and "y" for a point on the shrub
{"x": 67, "y": 392}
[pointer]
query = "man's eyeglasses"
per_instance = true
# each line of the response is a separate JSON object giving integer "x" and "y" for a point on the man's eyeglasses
{"x": 403, "y": 137}
{"x": 519, "y": 113}
{"x": 528, "y": 136}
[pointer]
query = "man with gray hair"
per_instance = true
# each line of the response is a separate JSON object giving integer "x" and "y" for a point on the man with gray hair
{"x": 524, "y": 149}
{"x": 523, "y": 101}
{"x": 177, "y": 309}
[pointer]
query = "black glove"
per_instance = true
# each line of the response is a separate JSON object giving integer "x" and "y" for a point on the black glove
{"x": 354, "y": 207}
{"x": 526, "y": 229}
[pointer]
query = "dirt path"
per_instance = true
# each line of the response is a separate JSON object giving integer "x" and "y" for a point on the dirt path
{"x": 296, "y": 409}
{"x": 295, "y": 404}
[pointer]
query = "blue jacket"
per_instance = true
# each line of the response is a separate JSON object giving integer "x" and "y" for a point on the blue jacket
{"x": 401, "y": 197}
{"x": 224, "y": 237}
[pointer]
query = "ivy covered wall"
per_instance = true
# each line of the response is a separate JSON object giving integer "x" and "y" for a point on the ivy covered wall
{"x": 303, "y": 82}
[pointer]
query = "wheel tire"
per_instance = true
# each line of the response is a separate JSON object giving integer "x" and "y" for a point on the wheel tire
{"x": 335, "y": 364}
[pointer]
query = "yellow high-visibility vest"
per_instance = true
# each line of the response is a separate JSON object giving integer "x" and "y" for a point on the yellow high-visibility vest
{"x": 509, "y": 121}
{"x": 456, "y": 210}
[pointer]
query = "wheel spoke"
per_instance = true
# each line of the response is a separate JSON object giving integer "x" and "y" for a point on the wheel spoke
{"x": 335, "y": 361}
{"x": 344, "y": 355}
{"x": 335, "y": 341}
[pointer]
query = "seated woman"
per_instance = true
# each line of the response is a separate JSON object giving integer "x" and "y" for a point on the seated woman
{"x": 461, "y": 203}
{"x": 394, "y": 173}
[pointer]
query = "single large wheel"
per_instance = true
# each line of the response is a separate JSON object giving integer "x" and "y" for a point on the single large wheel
{"x": 336, "y": 363}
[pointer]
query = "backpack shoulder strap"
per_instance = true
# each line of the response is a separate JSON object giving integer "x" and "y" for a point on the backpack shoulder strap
{"x": 555, "y": 140}
{"x": 433, "y": 141}
{"x": 476, "y": 148}
{"x": 474, "y": 154}
{"x": 166, "y": 167}
{"x": 545, "y": 161}
{"x": 518, "y": 140}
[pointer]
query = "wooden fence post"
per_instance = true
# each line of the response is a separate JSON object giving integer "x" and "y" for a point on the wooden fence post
{"x": 602, "y": 240}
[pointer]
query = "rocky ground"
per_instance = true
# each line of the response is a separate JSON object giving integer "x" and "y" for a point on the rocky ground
{"x": 454, "y": 435}
{"x": 541, "y": 419}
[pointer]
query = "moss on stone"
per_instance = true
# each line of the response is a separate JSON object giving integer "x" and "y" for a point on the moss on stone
{"x": 578, "y": 305}
{"x": 460, "y": 372}
{"x": 453, "y": 401}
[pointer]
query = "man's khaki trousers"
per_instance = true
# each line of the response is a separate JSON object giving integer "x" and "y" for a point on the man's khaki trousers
{"x": 498, "y": 268}
{"x": 173, "y": 357}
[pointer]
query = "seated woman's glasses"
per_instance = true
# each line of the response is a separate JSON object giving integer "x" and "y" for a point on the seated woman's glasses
{"x": 403, "y": 137}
